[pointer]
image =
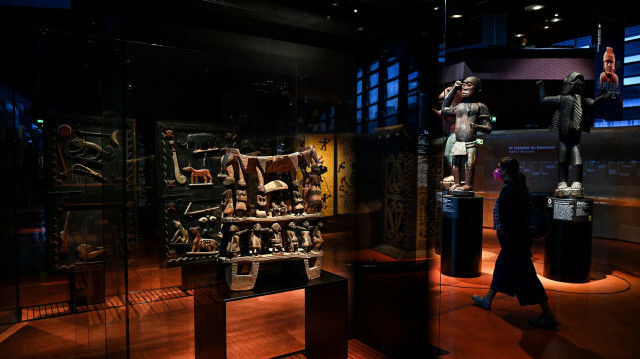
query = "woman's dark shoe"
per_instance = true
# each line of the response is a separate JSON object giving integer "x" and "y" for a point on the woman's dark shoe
{"x": 544, "y": 321}
{"x": 481, "y": 302}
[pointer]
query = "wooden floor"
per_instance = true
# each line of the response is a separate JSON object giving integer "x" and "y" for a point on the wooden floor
{"x": 599, "y": 319}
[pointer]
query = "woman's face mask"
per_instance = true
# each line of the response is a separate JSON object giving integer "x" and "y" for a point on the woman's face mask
{"x": 497, "y": 175}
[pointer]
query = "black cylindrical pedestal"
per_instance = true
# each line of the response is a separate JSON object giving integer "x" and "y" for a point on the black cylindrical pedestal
{"x": 568, "y": 246}
{"x": 461, "y": 236}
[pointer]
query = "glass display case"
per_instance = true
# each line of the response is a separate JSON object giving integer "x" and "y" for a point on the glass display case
{"x": 143, "y": 142}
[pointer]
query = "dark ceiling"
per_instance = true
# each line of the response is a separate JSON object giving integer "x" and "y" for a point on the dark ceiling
{"x": 335, "y": 23}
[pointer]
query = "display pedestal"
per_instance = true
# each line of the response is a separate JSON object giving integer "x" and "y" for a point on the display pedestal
{"x": 86, "y": 285}
{"x": 191, "y": 273}
{"x": 568, "y": 246}
{"x": 325, "y": 313}
{"x": 461, "y": 252}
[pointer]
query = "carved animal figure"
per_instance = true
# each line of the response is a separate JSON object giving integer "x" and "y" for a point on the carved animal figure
{"x": 196, "y": 240}
{"x": 196, "y": 175}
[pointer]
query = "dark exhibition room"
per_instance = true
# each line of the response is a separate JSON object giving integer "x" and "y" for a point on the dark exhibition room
{"x": 322, "y": 179}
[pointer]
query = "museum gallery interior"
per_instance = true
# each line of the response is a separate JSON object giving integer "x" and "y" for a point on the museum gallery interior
{"x": 319, "y": 179}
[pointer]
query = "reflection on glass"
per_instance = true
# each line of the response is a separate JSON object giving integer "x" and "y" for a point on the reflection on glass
{"x": 373, "y": 96}
{"x": 412, "y": 102}
{"x": 392, "y": 107}
{"x": 413, "y": 80}
{"x": 373, "y": 112}
{"x": 393, "y": 71}
{"x": 392, "y": 88}
{"x": 373, "y": 80}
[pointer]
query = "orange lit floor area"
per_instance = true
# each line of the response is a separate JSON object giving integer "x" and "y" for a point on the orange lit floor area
{"x": 599, "y": 319}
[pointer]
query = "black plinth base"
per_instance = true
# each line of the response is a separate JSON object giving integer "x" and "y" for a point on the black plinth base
{"x": 461, "y": 252}
{"x": 568, "y": 246}
{"x": 87, "y": 285}
{"x": 325, "y": 313}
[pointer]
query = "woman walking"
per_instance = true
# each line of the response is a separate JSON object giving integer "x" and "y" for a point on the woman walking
{"x": 514, "y": 273}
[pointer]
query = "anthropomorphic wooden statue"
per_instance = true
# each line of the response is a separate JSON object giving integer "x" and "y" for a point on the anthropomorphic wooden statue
{"x": 233, "y": 247}
{"x": 471, "y": 116}
{"x": 306, "y": 236}
{"x": 317, "y": 237}
{"x": 276, "y": 238}
{"x": 292, "y": 237}
{"x": 313, "y": 189}
{"x": 570, "y": 120}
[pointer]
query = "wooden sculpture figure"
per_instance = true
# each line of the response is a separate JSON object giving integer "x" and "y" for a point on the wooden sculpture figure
{"x": 241, "y": 201}
{"x": 317, "y": 237}
{"x": 276, "y": 238}
{"x": 233, "y": 247}
{"x": 196, "y": 240}
{"x": 261, "y": 203}
{"x": 608, "y": 77}
{"x": 298, "y": 201}
{"x": 471, "y": 116}
{"x": 292, "y": 238}
{"x": 255, "y": 240}
{"x": 570, "y": 121}
{"x": 306, "y": 238}
{"x": 313, "y": 190}
{"x": 181, "y": 235}
{"x": 196, "y": 175}
{"x": 227, "y": 202}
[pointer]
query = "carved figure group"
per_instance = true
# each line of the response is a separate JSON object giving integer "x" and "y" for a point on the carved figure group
{"x": 277, "y": 244}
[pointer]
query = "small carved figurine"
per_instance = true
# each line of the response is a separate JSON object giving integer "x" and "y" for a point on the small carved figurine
{"x": 196, "y": 175}
{"x": 317, "y": 237}
{"x": 292, "y": 238}
{"x": 241, "y": 201}
{"x": 276, "y": 238}
{"x": 181, "y": 235}
{"x": 233, "y": 247}
{"x": 261, "y": 203}
{"x": 313, "y": 189}
{"x": 298, "y": 201}
{"x": 255, "y": 240}
{"x": 196, "y": 240}
{"x": 306, "y": 238}
{"x": 227, "y": 202}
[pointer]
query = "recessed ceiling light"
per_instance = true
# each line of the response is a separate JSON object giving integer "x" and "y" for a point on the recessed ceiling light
{"x": 436, "y": 8}
{"x": 555, "y": 19}
{"x": 534, "y": 7}
{"x": 456, "y": 16}
{"x": 546, "y": 27}
{"x": 519, "y": 35}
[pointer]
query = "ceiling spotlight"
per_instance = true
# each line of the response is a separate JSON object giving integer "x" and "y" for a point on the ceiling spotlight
{"x": 436, "y": 8}
{"x": 519, "y": 35}
{"x": 546, "y": 27}
{"x": 534, "y": 7}
{"x": 456, "y": 16}
{"x": 555, "y": 19}
{"x": 355, "y": 11}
